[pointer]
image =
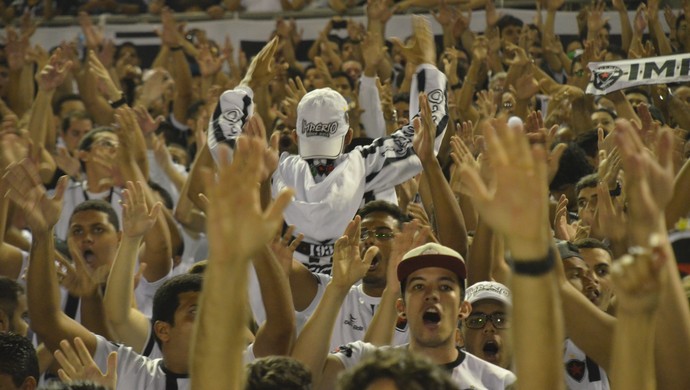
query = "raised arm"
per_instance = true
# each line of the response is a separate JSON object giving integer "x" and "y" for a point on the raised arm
{"x": 450, "y": 222}
{"x": 312, "y": 344}
{"x": 216, "y": 349}
{"x": 43, "y": 294}
{"x": 516, "y": 207}
{"x": 129, "y": 325}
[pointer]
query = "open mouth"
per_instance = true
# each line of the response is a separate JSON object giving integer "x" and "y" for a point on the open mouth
{"x": 593, "y": 296}
{"x": 490, "y": 348}
{"x": 89, "y": 257}
{"x": 431, "y": 316}
{"x": 285, "y": 141}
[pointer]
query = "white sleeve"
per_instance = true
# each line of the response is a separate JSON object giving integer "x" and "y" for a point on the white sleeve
{"x": 158, "y": 176}
{"x": 353, "y": 352}
{"x": 145, "y": 291}
{"x": 391, "y": 160}
{"x": 369, "y": 100}
{"x": 234, "y": 107}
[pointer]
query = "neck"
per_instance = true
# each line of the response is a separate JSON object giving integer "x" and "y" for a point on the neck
{"x": 175, "y": 363}
{"x": 95, "y": 182}
{"x": 442, "y": 354}
{"x": 373, "y": 290}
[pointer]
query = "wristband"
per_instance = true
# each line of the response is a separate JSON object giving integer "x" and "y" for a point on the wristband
{"x": 534, "y": 268}
{"x": 120, "y": 102}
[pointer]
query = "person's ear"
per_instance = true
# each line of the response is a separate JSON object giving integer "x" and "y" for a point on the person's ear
{"x": 400, "y": 307}
{"x": 162, "y": 330}
{"x": 293, "y": 134}
{"x": 4, "y": 322}
{"x": 348, "y": 137}
{"x": 29, "y": 383}
{"x": 465, "y": 310}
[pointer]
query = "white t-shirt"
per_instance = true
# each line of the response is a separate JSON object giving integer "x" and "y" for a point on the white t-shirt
{"x": 581, "y": 372}
{"x": 135, "y": 371}
{"x": 468, "y": 371}
{"x": 353, "y": 320}
{"x": 75, "y": 194}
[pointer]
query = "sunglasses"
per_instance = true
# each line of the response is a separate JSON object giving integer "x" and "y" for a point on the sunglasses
{"x": 479, "y": 320}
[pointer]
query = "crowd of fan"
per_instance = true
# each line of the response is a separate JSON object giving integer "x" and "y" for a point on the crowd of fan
{"x": 434, "y": 213}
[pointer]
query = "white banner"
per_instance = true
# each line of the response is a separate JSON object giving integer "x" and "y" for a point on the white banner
{"x": 612, "y": 76}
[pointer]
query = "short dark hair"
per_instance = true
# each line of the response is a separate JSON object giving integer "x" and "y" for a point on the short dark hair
{"x": 589, "y": 142}
{"x": 9, "y": 295}
{"x": 408, "y": 370}
{"x": 572, "y": 168}
{"x": 277, "y": 372}
{"x": 641, "y": 91}
{"x": 18, "y": 358}
{"x": 198, "y": 268}
{"x": 74, "y": 116}
{"x": 57, "y": 106}
{"x": 87, "y": 141}
{"x": 167, "y": 297}
{"x": 98, "y": 205}
{"x": 507, "y": 21}
{"x": 382, "y": 206}
{"x": 588, "y": 181}
{"x": 163, "y": 193}
{"x": 593, "y": 243}
{"x": 401, "y": 98}
{"x": 340, "y": 73}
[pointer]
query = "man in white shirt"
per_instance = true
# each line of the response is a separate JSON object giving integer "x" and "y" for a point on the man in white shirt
{"x": 330, "y": 185}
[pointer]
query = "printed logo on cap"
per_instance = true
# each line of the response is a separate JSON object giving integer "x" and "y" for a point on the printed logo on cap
{"x": 311, "y": 129}
{"x": 232, "y": 116}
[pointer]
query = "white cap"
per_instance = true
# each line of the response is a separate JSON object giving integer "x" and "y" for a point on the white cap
{"x": 322, "y": 124}
{"x": 488, "y": 290}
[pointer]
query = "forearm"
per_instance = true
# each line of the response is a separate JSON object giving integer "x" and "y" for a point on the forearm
{"x": 183, "y": 85}
{"x": 93, "y": 315}
{"x": 633, "y": 352}
{"x": 276, "y": 335}
{"x": 216, "y": 348}
{"x": 40, "y": 111}
{"x": 663, "y": 45}
{"x": 679, "y": 207}
{"x": 381, "y": 328}
{"x": 311, "y": 347}
{"x": 372, "y": 117}
{"x": 119, "y": 290}
{"x": 43, "y": 292}
{"x": 623, "y": 107}
{"x": 20, "y": 90}
{"x": 195, "y": 184}
{"x": 480, "y": 255}
{"x": 450, "y": 222}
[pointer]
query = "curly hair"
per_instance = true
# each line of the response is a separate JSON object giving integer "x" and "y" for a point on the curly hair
{"x": 277, "y": 372}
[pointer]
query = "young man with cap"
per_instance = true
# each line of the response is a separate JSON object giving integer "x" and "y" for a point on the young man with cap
{"x": 432, "y": 282}
{"x": 330, "y": 185}
{"x": 487, "y": 328}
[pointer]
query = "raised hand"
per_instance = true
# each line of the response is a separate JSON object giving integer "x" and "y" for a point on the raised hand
{"x": 638, "y": 279}
{"x": 209, "y": 64}
{"x": 261, "y": 69}
{"x": 146, "y": 123}
{"x": 372, "y": 50}
{"x": 137, "y": 220}
{"x": 421, "y": 49}
{"x": 411, "y": 236}
{"x": 424, "y": 132}
{"x": 284, "y": 246}
{"x": 80, "y": 366}
{"x": 515, "y": 203}
{"x": 234, "y": 208}
{"x": 106, "y": 83}
{"x": 255, "y": 128}
{"x": 348, "y": 265}
{"x": 54, "y": 73}
{"x": 24, "y": 187}
{"x": 78, "y": 277}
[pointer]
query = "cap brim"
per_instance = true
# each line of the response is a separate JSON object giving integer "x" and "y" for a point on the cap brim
{"x": 451, "y": 263}
{"x": 314, "y": 148}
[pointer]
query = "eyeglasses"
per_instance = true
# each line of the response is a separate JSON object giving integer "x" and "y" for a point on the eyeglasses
{"x": 379, "y": 234}
{"x": 479, "y": 320}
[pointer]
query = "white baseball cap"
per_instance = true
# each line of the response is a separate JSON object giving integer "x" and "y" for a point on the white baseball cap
{"x": 322, "y": 124}
{"x": 488, "y": 290}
